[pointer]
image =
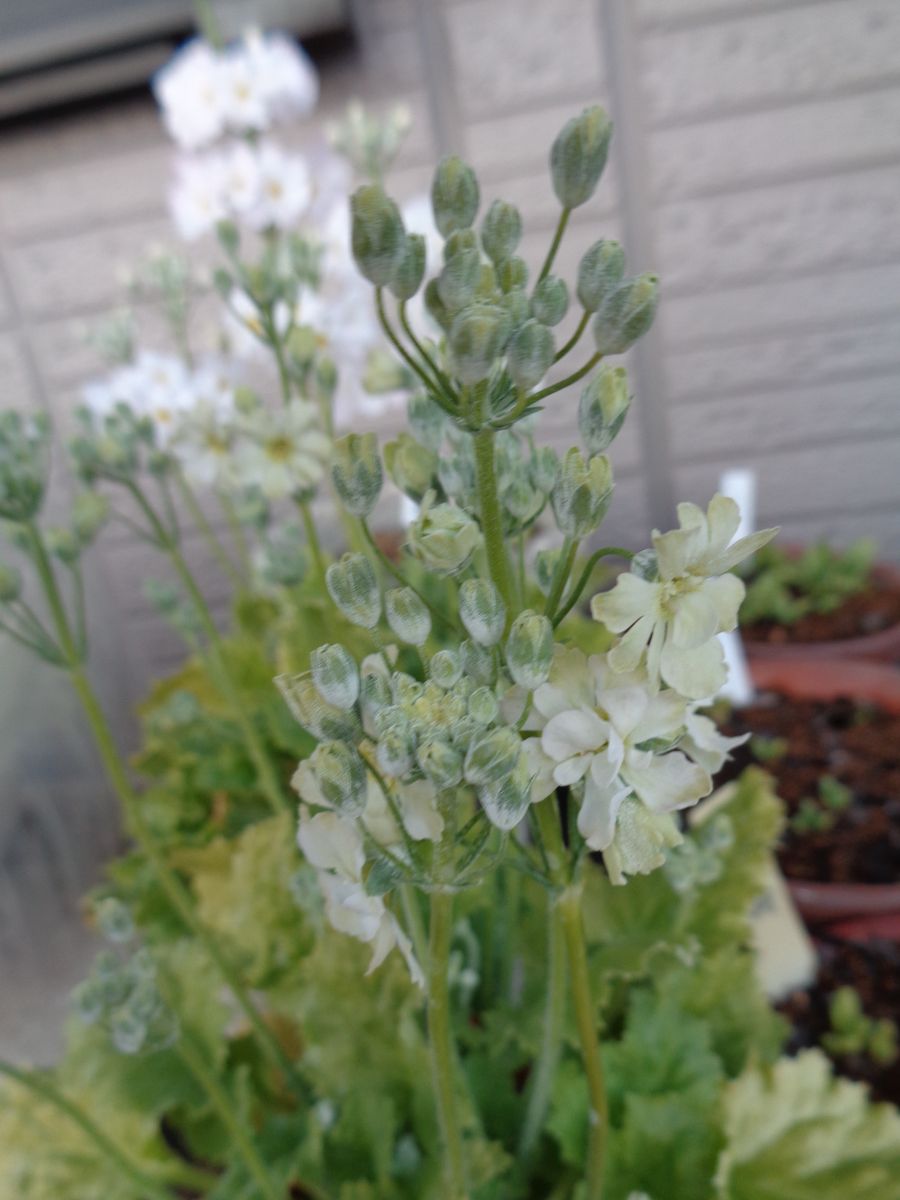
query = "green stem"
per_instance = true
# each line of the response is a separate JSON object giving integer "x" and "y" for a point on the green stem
{"x": 199, "y": 518}
{"x": 135, "y": 1175}
{"x": 575, "y": 592}
{"x": 268, "y": 778}
{"x": 447, "y": 403}
{"x": 491, "y": 517}
{"x": 574, "y": 339}
{"x": 237, "y": 532}
{"x": 415, "y": 925}
{"x": 567, "y": 382}
{"x": 561, "y": 574}
{"x": 441, "y": 380}
{"x": 312, "y": 537}
{"x": 441, "y": 1046}
{"x": 554, "y": 245}
{"x": 230, "y": 1118}
{"x": 551, "y": 1039}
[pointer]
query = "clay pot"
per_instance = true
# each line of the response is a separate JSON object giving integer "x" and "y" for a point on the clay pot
{"x": 881, "y": 647}
{"x": 858, "y": 911}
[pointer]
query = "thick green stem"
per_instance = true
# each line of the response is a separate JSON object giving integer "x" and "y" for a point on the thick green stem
{"x": 230, "y": 1118}
{"x": 135, "y": 1175}
{"x": 491, "y": 518}
{"x": 554, "y": 245}
{"x": 551, "y": 1038}
{"x": 441, "y": 1046}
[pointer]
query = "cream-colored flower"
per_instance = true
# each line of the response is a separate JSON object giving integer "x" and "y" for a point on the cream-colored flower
{"x": 283, "y": 452}
{"x": 674, "y": 618}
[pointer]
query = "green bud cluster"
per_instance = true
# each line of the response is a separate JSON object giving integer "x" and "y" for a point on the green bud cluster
{"x": 356, "y": 472}
{"x": 443, "y": 537}
{"x": 123, "y": 999}
{"x": 24, "y": 464}
{"x": 582, "y": 493}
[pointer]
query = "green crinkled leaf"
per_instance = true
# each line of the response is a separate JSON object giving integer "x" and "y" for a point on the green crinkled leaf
{"x": 243, "y": 891}
{"x": 794, "y": 1132}
{"x": 567, "y": 1121}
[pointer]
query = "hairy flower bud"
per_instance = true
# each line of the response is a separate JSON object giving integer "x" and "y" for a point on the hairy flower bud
{"x": 582, "y": 493}
{"x": 335, "y": 674}
{"x": 443, "y": 537}
{"x": 10, "y": 583}
{"x": 501, "y": 231}
{"x": 478, "y": 337}
{"x": 529, "y": 355}
{"x": 545, "y": 563}
{"x": 426, "y": 420}
{"x": 377, "y": 236}
{"x": 395, "y": 751}
{"x": 89, "y": 514}
{"x": 341, "y": 775}
{"x": 626, "y": 315}
{"x": 313, "y": 712}
{"x": 512, "y": 273}
{"x": 409, "y": 270}
{"x": 505, "y": 803}
{"x": 578, "y": 156}
{"x": 550, "y": 301}
{"x": 356, "y": 471}
{"x": 459, "y": 242}
{"x": 517, "y": 305}
{"x": 603, "y": 407}
{"x": 483, "y": 707}
{"x": 437, "y": 309}
{"x": 599, "y": 273}
{"x": 24, "y": 449}
{"x": 529, "y": 649}
{"x": 477, "y": 661}
{"x": 459, "y": 279}
{"x": 353, "y": 587}
{"x": 411, "y": 465}
{"x": 454, "y": 195}
{"x": 544, "y": 468}
{"x": 62, "y": 544}
{"x": 492, "y": 756}
{"x": 441, "y": 763}
{"x": 482, "y": 611}
{"x": 407, "y": 615}
{"x": 445, "y": 668}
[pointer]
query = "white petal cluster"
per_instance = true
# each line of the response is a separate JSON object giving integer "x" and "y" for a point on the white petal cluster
{"x": 669, "y": 622}
{"x": 281, "y": 451}
{"x": 632, "y": 755}
{"x": 258, "y": 80}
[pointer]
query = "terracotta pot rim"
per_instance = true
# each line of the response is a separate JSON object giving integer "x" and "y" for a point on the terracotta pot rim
{"x": 876, "y": 646}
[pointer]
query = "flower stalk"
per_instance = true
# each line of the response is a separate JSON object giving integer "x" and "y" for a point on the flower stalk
{"x": 440, "y": 1039}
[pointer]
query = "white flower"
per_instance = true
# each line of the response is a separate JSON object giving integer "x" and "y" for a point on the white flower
{"x": 705, "y": 744}
{"x": 615, "y": 735}
{"x": 189, "y": 91}
{"x": 676, "y": 617}
{"x": 240, "y": 180}
{"x": 243, "y": 92}
{"x": 204, "y": 439}
{"x": 283, "y": 452}
{"x": 287, "y": 76}
{"x": 283, "y": 189}
{"x": 198, "y": 196}
{"x": 334, "y": 846}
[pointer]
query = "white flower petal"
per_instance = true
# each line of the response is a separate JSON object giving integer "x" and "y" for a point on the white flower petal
{"x": 630, "y": 599}
{"x": 695, "y": 673}
{"x": 668, "y": 781}
{"x": 694, "y": 619}
{"x": 598, "y": 812}
{"x": 724, "y": 594}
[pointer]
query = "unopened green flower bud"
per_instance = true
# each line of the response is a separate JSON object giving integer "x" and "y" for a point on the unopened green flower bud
{"x": 409, "y": 270}
{"x": 483, "y": 707}
{"x": 454, "y": 195}
{"x": 626, "y": 315}
{"x": 356, "y": 471}
{"x": 477, "y": 339}
{"x": 384, "y": 372}
{"x": 506, "y": 802}
{"x": 326, "y": 377}
{"x": 407, "y": 615}
{"x": 353, "y": 587}
{"x": 335, "y": 674}
{"x": 545, "y": 563}
{"x": 341, "y": 775}
{"x": 89, "y": 514}
{"x": 441, "y": 763}
{"x": 114, "y": 920}
{"x": 302, "y": 343}
{"x": 492, "y": 756}
{"x": 582, "y": 493}
{"x": 377, "y": 235}
{"x": 437, "y": 309}
{"x": 544, "y": 468}
{"x": 10, "y": 583}
{"x": 459, "y": 242}
{"x": 603, "y": 407}
{"x": 529, "y": 650}
{"x": 426, "y": 420}
{"x": 374, "y": 689}
{"x": 501, "y": 230}
{"x": 128, "y": 1031}
{"x": 24, "y": 448}
{"x": 63, "y": 544}
{"x": 550, "y": 301}
{"x": 445, "y": 668}
{"x": 477, "y": 661}
{"x": 411, "y": 465}
{"x": 313, "y": 711}
{"x": 482, "y": 611}
{"x": 578, "y": 156}
{"x": 521, "y": 501}
{"x": 529, "y": 355}
{"x": 443, "y": 537}
{"x": 395, "y": 751}
{"x": 518, "y": 306}
{"x": 459, "y": 280}
{"x": 512, "y": 273}
{"x": 599, "y": 273}
{"x": 487, "y": 283}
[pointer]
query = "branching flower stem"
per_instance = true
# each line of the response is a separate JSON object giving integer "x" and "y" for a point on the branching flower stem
{"x": 440, "y": 1039}
{"x": 491, "y": 518}
{"x": 575, "y": 592}
{"x": 574, "y": 339}
{"x": 199, "y": 518}
{"x": 446, "y": 401}
{"x": 554, "y": 245}
{"x": 551, "y": 1037}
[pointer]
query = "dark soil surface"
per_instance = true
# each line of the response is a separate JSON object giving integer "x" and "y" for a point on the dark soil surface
{"x": 871, "y": 611}
{"x": 873, "y": 970}
{"x": 856, "y": 744}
